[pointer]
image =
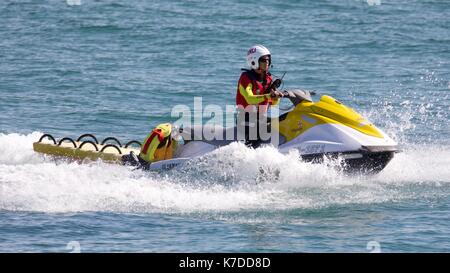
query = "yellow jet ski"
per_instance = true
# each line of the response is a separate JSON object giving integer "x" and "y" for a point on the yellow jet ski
{"x": 326, "y": 129}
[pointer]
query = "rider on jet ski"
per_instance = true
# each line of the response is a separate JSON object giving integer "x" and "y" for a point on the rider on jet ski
{"x": 255, "y": 93}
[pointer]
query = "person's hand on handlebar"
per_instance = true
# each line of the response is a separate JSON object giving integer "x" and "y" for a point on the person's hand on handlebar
{"x": 276, "y": 94}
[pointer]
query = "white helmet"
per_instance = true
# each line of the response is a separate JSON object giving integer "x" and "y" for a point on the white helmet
{"x": 253, "y": 55}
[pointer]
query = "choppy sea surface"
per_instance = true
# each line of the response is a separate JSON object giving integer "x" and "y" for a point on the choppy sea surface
{"x": 117, "y": 68}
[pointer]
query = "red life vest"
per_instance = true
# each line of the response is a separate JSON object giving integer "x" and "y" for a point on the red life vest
{"x": 248, "y": 77}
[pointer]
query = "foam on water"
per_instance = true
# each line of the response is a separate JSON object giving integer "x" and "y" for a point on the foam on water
{"x": 233, "y": 178}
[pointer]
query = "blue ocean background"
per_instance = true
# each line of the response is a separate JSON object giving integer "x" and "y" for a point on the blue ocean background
{"x": 117, "y": 68}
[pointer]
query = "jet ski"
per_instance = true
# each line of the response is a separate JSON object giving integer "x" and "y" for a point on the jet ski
{"x": 322, "y": 131}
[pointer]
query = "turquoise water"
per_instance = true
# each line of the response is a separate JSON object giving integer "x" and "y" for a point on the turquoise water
{"x": 117, "y": 69}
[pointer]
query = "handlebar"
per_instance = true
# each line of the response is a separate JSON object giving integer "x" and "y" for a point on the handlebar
{"x": 287, "y": 93}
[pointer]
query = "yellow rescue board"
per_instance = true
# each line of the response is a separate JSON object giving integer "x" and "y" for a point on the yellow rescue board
{"x": 84, "y": 150}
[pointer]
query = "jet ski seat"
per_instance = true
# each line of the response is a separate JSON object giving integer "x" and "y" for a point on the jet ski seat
{"x": 214, "y": 135}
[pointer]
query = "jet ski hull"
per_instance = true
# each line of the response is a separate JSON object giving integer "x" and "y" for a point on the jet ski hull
{"x": 354, "y": 162}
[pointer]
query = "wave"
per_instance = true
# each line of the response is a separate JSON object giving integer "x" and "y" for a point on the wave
{"x": 231, "y": 179}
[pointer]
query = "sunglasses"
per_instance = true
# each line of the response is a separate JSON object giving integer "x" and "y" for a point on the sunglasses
{"x": 264, "y": 60}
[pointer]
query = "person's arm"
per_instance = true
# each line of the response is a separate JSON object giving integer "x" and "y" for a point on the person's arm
{"x": 246, "y": 90}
